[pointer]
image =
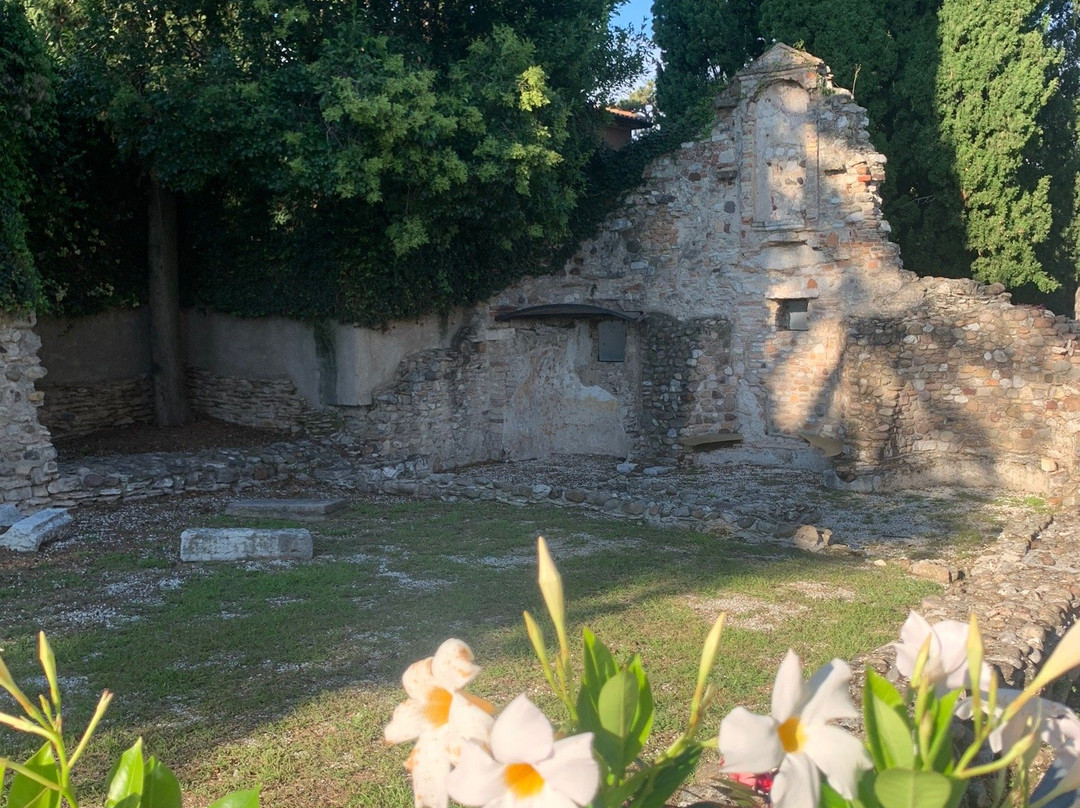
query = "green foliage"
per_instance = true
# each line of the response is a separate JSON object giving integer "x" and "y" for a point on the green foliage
{"x": 27, "y": 120}
{"x": 44, "y": 781}
{"x": 87, "y": 235}
{"x": 994, "y": 79}
{"x": 343, "y": 160}
{"x": 974, "y": 105}
{"x": 644, "y": 95}
{"x": 702, "y": 44}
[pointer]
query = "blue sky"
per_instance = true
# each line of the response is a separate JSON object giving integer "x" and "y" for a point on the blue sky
{"x": 633, "y": 12}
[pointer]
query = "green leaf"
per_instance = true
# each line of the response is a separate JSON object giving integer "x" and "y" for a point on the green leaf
{"x": 598, "y": 667}
{"x": 940, "y": 752}
{"x": 906, "y": 788}
{"x": 126, "y": 779}
{"x": 28, "y": 793}
{"x": 618, "y": 703}
{"x": 238, "y": 799}
{"x": 161, "y": 789}
{"x": 588, "y": 718}
{"x": 598, "y": 663}
{"x": 616, "y": 796}
{"x": 882, "y": 689}
{"x": 830, "y": 798}
{"x": 889, "y": 734}
{"x": 643, "y": 719}
{"x": 616, "y": 710}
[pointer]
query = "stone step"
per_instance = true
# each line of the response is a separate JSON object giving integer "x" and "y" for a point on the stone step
{"x": 27, "y": 535}
{"x": 710, "y": 439}
{"x": 285, "y": 508}
{"x": 244, "y": 543}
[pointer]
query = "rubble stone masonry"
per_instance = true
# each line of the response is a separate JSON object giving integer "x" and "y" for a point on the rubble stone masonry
{"x": 776, "y": 316}
{"x": 27, "y": 457}
{"x": 744, "y": 304}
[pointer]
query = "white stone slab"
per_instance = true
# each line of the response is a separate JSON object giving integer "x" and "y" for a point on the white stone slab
{"x": 27, "y": 535}
{"x": 240, "y": 543}
{"x": 285, "y": 508}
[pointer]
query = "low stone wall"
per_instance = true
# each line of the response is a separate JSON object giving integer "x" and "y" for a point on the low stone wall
{"x": 70, "y": 410}
{"x": 1025, "y": 593}
{"x": 137, "y": 477}
{"x": 27, "y": 457}
{"x": 264, "y": 403}
{"x": 964, "y": 388}
{"x": 436, "y": 408}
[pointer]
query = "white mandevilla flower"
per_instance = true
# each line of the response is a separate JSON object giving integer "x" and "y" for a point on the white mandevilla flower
{"x": 439, "y": 717}
{"x": 1054, "y": 723}
{"x": 947, "y": 665}
{"x": 527, "y": 767}
{"x": 797, "y": 738}
{"x": 1060, "y": 786}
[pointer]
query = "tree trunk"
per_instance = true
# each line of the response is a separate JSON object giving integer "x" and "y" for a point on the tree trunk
{"x": 170, "y": 397}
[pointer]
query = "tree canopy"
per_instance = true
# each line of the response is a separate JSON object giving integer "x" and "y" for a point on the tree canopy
{"x": 973, "y": 104}
{"x": 27, "y": 120}
{"x": 351, "y": 159}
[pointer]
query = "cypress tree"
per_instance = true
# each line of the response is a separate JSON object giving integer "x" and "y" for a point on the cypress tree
{"x": 996, "y": 77}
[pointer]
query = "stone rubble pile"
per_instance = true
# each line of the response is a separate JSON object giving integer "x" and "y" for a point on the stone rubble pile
{"x": 659, "y": 499}
{"x": 1025, "y": 592}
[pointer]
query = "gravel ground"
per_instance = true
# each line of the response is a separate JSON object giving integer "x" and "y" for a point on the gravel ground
{"x": 934, "y": 522}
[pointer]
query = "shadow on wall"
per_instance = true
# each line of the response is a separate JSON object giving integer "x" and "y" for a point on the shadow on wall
{"x": 942, "y": 381}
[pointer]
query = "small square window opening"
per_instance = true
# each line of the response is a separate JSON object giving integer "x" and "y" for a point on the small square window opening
{"x": 795, "y": 315}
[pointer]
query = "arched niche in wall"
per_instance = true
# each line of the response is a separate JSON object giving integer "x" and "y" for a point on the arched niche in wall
{"x": 785, "y": 166}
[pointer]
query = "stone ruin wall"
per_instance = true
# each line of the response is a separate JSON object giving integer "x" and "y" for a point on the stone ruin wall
{"x": 771, "y": 218}
{"x": 271, "y": 403}
{"x": 70, "y": 410}
{"x": 503, "y": 393}
{"x": 27, "y": 457}
{"x": 965, "y": 387}
{"x": 918, "y": 380}
{"x": 99, "y": 372}
{"x": 688, "y": 386}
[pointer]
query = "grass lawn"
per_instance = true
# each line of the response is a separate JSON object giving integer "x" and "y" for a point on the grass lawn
{"x": 283, "y": 675}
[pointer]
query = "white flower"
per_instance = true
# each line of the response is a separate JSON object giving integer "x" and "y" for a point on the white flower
{"x": 1054, "y": 723}
{"x": 527, "y": 767}
{"x": 439, "y": 717}
{"x": 796, "y": 736}
{"x": 947, "y": 665}
{"x": 1057, "y": 726}
{"x": 1060, "y": 786}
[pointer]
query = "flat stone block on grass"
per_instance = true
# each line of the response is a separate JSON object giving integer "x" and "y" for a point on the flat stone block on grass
{"x": 244, "y": 543}
{"x": 27, "y": 535}
{"x": 285, "y": 508}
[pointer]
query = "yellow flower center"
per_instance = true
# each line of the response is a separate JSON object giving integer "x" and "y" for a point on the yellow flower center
{"x": 523, "y": 780}
{"x": 792, "y": 736}
{"x": 437, "y": 709}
